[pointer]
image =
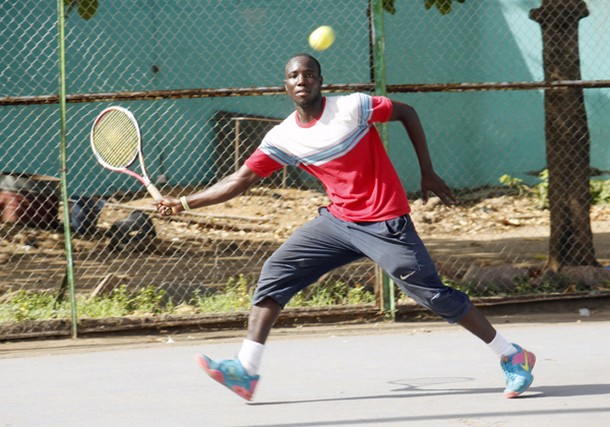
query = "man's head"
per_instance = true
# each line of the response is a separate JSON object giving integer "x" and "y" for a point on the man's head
{"x": 303, "y": 79}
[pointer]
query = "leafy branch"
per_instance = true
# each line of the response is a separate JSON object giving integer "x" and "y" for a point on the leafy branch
{"x": 443, "y": 6}
{"x": 86, "y": 8}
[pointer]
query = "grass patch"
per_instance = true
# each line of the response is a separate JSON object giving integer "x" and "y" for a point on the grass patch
{"x": 236, "y": 296}
{"x": 30, "y": 305}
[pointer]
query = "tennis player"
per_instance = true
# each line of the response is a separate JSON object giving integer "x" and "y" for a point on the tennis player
{"x": 334, "y": 139}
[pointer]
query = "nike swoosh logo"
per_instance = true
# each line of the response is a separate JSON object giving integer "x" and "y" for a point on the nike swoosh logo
{"x": 525, "y": 366}
{"x": 406, "y": 276}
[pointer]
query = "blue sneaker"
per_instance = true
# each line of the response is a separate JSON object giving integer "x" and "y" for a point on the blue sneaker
{"x": 230, "y": 373}
{"x": 518, "y": 371}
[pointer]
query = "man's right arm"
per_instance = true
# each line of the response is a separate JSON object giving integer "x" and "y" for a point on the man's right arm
{"x": 225, "y": 189}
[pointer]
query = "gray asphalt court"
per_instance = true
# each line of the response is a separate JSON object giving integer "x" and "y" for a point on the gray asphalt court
{"x": 408, "y": 374}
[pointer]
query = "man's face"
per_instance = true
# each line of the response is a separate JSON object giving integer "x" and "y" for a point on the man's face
{"x": 303, "y": 81}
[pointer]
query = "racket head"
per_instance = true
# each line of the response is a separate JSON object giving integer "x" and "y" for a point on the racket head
{"x": 115, "y": 138}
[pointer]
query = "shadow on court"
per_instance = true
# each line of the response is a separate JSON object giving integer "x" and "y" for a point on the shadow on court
{"x": 535, "y": 392}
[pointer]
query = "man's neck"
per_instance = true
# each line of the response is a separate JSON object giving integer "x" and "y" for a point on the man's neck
{"x": 310, "y": 112}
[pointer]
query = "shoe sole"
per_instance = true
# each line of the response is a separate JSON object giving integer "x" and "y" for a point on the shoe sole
{"x": 216, "y": 375}
{"x": 513, "y": 394}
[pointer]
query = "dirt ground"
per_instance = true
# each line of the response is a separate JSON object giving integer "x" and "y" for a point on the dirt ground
{"x": 483, "y": 213}
{"x": 491, "y": 238}
{"x": 507, "y": 223}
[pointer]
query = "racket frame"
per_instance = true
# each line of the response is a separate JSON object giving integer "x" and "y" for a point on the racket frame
{"x": 144, "y": 179}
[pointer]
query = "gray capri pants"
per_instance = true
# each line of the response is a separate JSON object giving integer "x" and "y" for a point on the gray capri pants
{"x": 327, "y": 242}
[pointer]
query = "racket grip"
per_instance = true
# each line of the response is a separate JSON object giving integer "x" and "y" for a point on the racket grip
{"x": 154, "y": 192}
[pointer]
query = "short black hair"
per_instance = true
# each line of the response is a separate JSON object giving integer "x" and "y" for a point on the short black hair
{"x": 306, "y": 55}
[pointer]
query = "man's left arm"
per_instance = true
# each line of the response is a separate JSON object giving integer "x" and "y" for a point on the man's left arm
{"x": 430, "y": 181}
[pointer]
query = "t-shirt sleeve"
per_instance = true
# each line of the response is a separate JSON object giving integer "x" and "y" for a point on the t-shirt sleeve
{"x": 261, "y": 164}
{"x": 382, "y": 109}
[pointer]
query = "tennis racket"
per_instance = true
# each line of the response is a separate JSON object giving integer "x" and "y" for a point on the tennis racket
{"x": 117, "y": 142}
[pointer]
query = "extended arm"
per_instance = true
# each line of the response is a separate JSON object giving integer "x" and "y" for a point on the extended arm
{"x": 225, "y": 189}
{"x": 430, "y": 181}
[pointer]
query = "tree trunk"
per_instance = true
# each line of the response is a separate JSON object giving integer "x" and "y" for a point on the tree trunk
{"x": 567, "y": 136}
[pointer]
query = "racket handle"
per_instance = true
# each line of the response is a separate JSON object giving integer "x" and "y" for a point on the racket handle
{"x": 154, "y": 192}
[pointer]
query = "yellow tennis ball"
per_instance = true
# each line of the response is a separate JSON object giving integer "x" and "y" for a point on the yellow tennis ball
{"x": 322, "y": 38}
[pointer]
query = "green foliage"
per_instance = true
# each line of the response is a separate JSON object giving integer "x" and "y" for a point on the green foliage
{"x": 388, "y": 6}
{"x": 473, "y": 290}
{"x": 523, "y": 286}
{"x": 121, "y": 302}
{"x": 516, "y": 183}
{"x": 549, "y": 287}
{"x": 443, "y": 6}
{"x": 30, "y": 305}
{"x": 467, "y": 289}
{"x": 332, "y": 293}
{"x": 148, "y": 300}
{"x": 86, "y": 8}
{"x": 599, "y": 190}
{"x": 539, "y": 191}
{"x": 114, "y": 305}
{"x": 236, "y": 296}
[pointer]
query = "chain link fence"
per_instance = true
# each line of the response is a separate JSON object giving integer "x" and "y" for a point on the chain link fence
{"x": 204, "y": 80}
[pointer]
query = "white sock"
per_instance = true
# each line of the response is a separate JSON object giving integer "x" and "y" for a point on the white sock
{"x": 250, "y": 356}
{"x": 501, "y": 346}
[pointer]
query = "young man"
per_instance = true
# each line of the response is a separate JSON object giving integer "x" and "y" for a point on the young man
{"x": 333, "y": 139}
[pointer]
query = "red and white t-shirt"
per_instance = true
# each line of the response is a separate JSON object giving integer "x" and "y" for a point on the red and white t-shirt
{"x": 344, "y": 151}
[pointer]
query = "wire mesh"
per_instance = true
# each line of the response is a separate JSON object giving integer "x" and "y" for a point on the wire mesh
{"x": 204, "y": 80}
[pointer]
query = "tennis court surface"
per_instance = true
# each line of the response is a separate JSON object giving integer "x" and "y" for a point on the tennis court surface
{"x": 420, "y": 374}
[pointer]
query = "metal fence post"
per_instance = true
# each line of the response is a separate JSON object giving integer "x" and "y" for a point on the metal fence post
{"x": 69, "y": 278}
{"x": 385, "y": 285}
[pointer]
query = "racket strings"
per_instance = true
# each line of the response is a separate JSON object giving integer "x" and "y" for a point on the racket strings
{"x": 116, "y": 139}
